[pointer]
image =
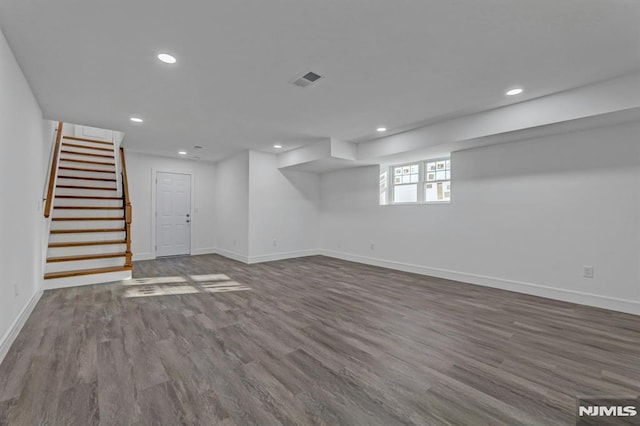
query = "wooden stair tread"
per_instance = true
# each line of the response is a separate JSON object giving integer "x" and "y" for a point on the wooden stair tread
{"x": 85, "y": 257}
{"x": 87, "y": 208}
{"x": 86, "y": 218}
{"x": 86, "y": 243}
{"x": 74, "y": 138}
{"x": 85, "y": 187}
{"x": 86, "y": 178}
{"x": 81, "y": 169}
{"x": 88, "y": 197}
{"x": 75, "y": 145}
{"x": 85, "y": 231}
{"x": 87, "y": 161}
{"x": 84, "y": 153}
{"x": 64, "y": 274}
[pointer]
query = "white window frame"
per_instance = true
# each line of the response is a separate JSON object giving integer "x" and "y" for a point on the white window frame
{"x": 392, "y": 185}
{"x": 422, "y": 181}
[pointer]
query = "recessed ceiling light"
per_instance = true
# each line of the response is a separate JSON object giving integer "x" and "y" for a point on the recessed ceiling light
{"x": 276, "y": 146}
{"x": 166, "y": 58}
{"x": 514, "y": 92}
{"x": 182, "y": 152}
{"x": 136, "y": 119}
{"x": 381, "y": 129}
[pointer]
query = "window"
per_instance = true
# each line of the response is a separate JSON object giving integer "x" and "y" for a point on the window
{"x": 405, "y": 183}
{"x": 417, "y": 182}
{"x": 437, "y": 186}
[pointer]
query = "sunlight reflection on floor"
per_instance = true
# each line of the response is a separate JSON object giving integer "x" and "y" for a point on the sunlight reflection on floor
{"x": 168, "y": 286}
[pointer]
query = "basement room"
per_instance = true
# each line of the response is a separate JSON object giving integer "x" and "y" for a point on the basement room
{"x": 287, "y": 212}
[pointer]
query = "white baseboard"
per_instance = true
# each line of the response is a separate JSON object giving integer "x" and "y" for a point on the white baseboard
{"x": 10, "y": 336}
{"x": 282, "y": 256}
{"x": 620, "y": 305}
{"x": 232, "y": 255}
{"x": 207, "y": 250}
{"x": 143, "y": 256}
{"x": 195, "y": 252}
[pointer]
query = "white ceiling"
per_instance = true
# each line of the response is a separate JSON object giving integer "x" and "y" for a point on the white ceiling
{"x": 393, "y": 63}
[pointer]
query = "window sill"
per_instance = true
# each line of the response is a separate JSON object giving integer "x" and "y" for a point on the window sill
{"x": 418, "y": 203}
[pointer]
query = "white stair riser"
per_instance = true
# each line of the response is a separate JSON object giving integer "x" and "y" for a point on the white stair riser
{"x": 87, "y": 224}
{"x": 88, "y": 192}
{"x": 81, "y": 173}
{"x": 76, "y": 251}
{"x": 87, "y": 213}
{"x": 87, "y": 202}
{"x": 87, "y": 280}
{"x": 83, "y": 182}
{"x": 104, "y": 167}
{"x": 87, "y": 149}
{"x": 86, "y": 236}
{"x": 86, "y": 143}
{"x": 84, "y": 264}
{"x": 72, "y": 155}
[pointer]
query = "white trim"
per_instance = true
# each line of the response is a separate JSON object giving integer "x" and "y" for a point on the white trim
{"x": 206, "y": 250}
{"x": 232, "y": 255}
{"x": 10, "y": 336}
{"x": 282, "y": 255}
{"x": 82, "y": 280}
{"x": 143, "y": 256}
{"x": 620, "y": 305}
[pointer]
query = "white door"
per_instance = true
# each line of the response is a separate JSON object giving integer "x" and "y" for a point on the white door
{"x": 173, "y": 214}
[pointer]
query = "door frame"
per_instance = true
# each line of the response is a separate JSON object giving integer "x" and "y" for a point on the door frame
{"x": 154, "y": 208}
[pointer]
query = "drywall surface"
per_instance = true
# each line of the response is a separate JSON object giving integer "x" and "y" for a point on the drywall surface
{"x": 526, "y": 216}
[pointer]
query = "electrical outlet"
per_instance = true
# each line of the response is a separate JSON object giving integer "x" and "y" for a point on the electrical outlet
{"x": 588, "y": 271}
{"x": 372, "y": 246}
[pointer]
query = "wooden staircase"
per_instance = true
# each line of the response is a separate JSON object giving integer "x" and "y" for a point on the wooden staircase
{"x": 89, "y": 238}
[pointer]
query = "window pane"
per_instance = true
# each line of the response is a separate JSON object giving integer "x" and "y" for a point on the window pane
{"x": 405, "y": 194}
{"x": 448, "y": 174}
{"x": 446, "y": 191}
{"x": 397, "y": 171}
{"x": 431, "y": 167}
{"x": 430, "y": 192}
{"x": 431, "y": 176}
{"x": 406, "y": 179}
{"x": 414, "y": 178}
{"x": 448, "y": 164}
{"x": 414, "y": 169}
{"x": 437, "y": 191}
{"x": 397, "y": 180}
{"x": 441, "y": 165}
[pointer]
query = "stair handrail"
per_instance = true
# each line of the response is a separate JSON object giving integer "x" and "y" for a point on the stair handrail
{"x": 54, "y": 170}
{"x": 128, "y": 210}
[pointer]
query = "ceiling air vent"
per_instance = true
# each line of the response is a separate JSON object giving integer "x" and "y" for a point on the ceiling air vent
{"x": 307, "y": 79}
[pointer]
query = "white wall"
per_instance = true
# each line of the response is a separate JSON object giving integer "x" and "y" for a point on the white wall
{"x": 525, "y": 216}
{"x": 283, "y": 210}
{"x": 232, "y": 206}
{"x": 21, "y": 218}
{"x": 141, "y": 172}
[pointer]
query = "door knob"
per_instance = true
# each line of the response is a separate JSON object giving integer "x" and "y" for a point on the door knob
{"x": 188, "y": 221}
{"x": 188, "y": 215}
